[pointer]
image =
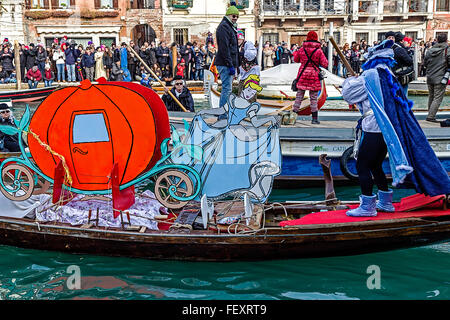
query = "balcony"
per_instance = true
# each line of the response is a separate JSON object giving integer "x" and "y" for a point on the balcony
{"x": 394, "y": 6}
{"x": 418, "y": 6}
{"x": 180, "y": 4}
{"x": 242, "y": 4}
{"x": 305, "y": 7}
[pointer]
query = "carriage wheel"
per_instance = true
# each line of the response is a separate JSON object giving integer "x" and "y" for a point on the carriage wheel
{"x": 177, "y": 181}
{"x": 41, "y": 186}
{"x": 18, "y": 182}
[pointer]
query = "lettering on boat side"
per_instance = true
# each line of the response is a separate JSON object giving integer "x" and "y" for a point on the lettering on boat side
{"x": 74, "y": 280}
{"x": 374, "y": 280}
{"x": 231, "y": 309}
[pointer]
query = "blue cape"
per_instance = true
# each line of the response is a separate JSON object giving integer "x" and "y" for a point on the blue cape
{"x": 429, "y": 176}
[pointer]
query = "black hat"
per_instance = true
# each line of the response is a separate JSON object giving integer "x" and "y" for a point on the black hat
{"x": 399, "y": 36}
{"x": 4, "y": 106}
{"x": 178, "y": 78}
{"x": 389, "y": 34}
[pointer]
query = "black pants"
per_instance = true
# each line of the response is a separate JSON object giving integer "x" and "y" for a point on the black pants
{"x": 371, "y": 154}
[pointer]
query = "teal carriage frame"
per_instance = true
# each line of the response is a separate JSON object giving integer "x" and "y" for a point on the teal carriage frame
{"x": 181, "y": 173}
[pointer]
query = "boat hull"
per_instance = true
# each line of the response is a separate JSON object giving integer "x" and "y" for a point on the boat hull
{"x": 29, "y": 95}
{"x": 293, "y": 243}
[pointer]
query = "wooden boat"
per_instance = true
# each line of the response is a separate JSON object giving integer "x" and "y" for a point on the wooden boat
{"x": 263, "y": 239}
{"x": 27, "y": 95}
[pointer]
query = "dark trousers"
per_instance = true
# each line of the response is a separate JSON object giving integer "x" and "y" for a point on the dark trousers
{"x": 371, "y": 154}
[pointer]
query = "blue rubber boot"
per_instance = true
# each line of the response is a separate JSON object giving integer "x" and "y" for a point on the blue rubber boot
{"x": 367, "y": 207}
{"x": 384, "y": 202}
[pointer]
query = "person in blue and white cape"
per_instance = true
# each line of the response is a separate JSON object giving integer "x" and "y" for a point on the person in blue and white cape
{"x": 389, "y": 126}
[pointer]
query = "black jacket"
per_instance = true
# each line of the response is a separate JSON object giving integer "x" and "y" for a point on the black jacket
{"x": 403, "y": 59}
{"x": 30, "y": 55}
{"x": 7, "y": 61}
{"x": 10, "y": 142}
{"x": 227, "y": 45}
{"x": 162, "y": 60}
{"x": 185, "y": 99}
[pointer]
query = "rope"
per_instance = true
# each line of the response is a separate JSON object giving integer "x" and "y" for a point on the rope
{"x": 67, "y": 176}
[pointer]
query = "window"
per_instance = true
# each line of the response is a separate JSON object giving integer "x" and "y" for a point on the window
{"x": 180, "y": 35}
{"x": 417, "y": 6}
{"x": 443, "y": 5}
{"x": 362, "y": 36}
{"x": 106, "y": 4}
{"x": 107, "y": 41}
{"x": 336, "y": 36}
{"x": 271, "y": 37}
{"x": 63, "y": 4}
{"x": 90, "y": 128}
{"x": 312, "y": 5}
{"x": 37, "y": 4}
{"x": 381, "y": 36}
{"x": 143, "y": 4}
{"x": 440, "y": 32}
{"x": 270, "y": 5}
{"x": 411, "y": 34}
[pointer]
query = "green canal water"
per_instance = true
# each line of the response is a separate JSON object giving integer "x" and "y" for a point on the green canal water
{"x": 407, "y": 274}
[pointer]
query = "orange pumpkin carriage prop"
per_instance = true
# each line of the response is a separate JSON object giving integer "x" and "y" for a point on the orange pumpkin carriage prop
{"x": 87, "y": 131}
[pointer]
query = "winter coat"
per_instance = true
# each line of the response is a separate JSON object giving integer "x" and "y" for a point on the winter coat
{"x": 227, "y": 45}
{"x": 436, "y": 62}
{"x": 160, "y": 52}
{"x": 10, "y": 142}
{"x": 116, "y": 73}
{"x": 3, "y": 75}
{"x": 185, "y": 99}
{"x": 107, "y": 61}
{"x": 402, "y": 57}
{"x": 88, "y": 60}
{"x": 58, "y": 57}
{"x": 71, "y": 55}
{"x": 36, "y": 75}
{"x": 269, "y": 55}
{"x": 7, "y": 60}
{"x": 310, "y": 77}
{"x": 30, "y": 58}
{"x": 49, "y": 75}
{"x": 41, "y": 56}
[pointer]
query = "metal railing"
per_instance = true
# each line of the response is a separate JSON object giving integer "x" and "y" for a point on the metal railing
{"x": 418, "y": 6}
{"x": 242, "y": 4}
{"x": 181, "y": 4}
{"x": 300, "y": 7}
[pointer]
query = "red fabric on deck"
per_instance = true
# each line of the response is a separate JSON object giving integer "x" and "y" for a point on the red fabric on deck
{"x": 339, "y": 216}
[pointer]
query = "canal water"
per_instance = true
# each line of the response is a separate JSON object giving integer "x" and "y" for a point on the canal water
{"x": 414, "y": 273}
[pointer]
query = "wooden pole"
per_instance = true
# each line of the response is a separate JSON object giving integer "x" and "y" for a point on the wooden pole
{"x": 344, "y": 61}
{"x": 174, "y": 60}
{"x": 156, "y": 77}
{"x": 17, "y": 63}
{"x": 342, "y": 57}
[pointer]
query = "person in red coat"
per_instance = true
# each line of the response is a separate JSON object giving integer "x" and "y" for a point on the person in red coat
{"x": 33, "y": 76}
{"x": 311, "y": 58}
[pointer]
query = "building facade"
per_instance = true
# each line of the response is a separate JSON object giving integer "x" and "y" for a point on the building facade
{"x": 99, "y": 21}
{"x": 441, "y": 20}
{"x": 11, "y": 20}
{"x": 191, "y": 20}
{"x": 291, "y": 20}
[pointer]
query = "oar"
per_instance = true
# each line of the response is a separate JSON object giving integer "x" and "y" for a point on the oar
{"x": 344, "y": 61}
{"x": 343, "y": 58}
{"x": 156, "y": 77}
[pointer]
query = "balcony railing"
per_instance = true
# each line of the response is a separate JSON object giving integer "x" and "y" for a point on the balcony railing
{"x": 242, "y": 4}
{"x": 418, "y": 6}
{"x": 180, "y": 4}
{"x": 48, "y": 4}
{"x": 301, "y": 7}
